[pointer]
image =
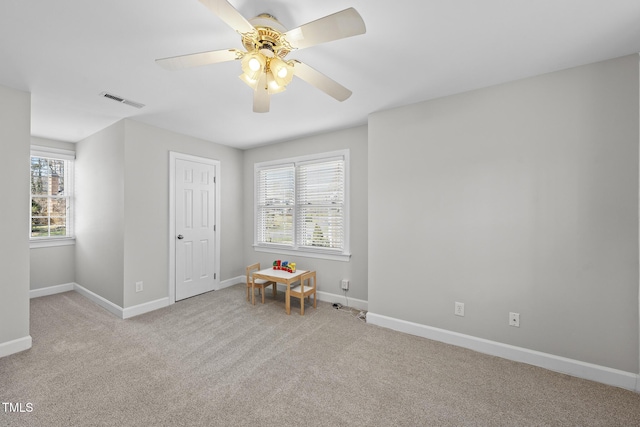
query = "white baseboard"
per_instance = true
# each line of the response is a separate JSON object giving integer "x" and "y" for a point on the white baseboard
{"x": 122, "y": 313}
{"x": 333, "y": 298}
{"x": 322, "y": 296}
{"x": 346, "y": 301}
{"x": 15, "y": 346}
{"x": 576, "y": 368}
{"x": 102, "y": 302}
{"x": 230, "y": 282}
{"x": 146, "y": 307}
{"x": 51, "y": 290}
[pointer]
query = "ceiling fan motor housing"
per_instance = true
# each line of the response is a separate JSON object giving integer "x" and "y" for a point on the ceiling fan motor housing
{"x": 267, "y": 39}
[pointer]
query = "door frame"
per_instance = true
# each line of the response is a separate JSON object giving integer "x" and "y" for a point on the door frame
{"x": 173, "y": 156}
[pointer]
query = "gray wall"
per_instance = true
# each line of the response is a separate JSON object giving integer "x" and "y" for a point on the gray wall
{"x": 100, "y": 213}
{"x": 329, "y": 272}
{"x": 123, "y": 210}
{"x": 15, "y": 128}
{"x": 521, "y": 197}
{"x": 56, "y": 265}
{"x": 146, "y": 245}
{"x": 52, "y": 266}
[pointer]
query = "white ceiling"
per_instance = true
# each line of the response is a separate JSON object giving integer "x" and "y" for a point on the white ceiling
{"x": 66, "y": 52}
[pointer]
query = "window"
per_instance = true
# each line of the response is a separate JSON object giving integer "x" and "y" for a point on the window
{"x": 302, "y": 206}
{"x": 51, "y": 194}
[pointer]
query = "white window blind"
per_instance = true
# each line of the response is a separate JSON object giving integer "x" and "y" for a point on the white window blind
{"x": 275, "y": 210}
{"x": 320, "y": 204}
{"x": 302, "y": 205}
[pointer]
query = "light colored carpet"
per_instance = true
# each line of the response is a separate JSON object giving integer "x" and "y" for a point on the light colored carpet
{"x": 216, "y": 360}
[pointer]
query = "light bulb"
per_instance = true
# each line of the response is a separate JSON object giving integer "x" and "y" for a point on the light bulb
{"x": 272, "y": 86}
{"x": 252, "y": 83}
{"x": 254, "y": 64}
{"x": 282, "y": 71}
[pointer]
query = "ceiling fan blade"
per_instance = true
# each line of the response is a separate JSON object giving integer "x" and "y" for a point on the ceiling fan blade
{"x": 261, "y": 96}
{"x": 229, "y": 15}
{"x": 319, "y": 80}
{"x": 198, "y": 59}
{"x": 340, "y": 25}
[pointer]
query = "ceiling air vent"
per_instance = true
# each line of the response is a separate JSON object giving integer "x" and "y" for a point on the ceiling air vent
{"x": 121, "y": 100}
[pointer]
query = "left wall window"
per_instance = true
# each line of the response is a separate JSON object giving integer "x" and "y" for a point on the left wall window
{"x": 51, "y": 195}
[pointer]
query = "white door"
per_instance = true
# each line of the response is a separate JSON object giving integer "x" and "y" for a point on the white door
{"x": 195, "y": 228}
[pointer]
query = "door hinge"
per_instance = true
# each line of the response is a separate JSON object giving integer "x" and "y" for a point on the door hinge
{"x": 214, "y": 227}
{"x": 214, "y": 276}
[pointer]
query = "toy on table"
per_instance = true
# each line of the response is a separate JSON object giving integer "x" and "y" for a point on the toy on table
{"x": 287, "y": 266}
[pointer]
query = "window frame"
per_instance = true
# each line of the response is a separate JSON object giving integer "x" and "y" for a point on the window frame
{"x": 69, "y": 183}
{"x": 295, "y": 249}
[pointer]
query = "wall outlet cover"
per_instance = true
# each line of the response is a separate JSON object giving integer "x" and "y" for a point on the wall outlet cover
{"x": 459, "y": 309}
{"x": 514, "y": 319}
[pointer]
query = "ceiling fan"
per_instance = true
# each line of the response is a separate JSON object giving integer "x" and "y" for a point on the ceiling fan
{"x": 267, "y": 43}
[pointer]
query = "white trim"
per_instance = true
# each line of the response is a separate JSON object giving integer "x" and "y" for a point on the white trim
{"x": 102, "y": 302}
{"x": 172, "y": 228}
{"x": 15, "y": 346}
{"x": 50, "y": 152}
{"x": 123, "y": 313}
{"x": 69, "y": 157}
{"x": 330, "y": 155}
{"x": 173, "y": 156}
{"x": 51, "y": 290}
{"x": 146, "y": 307}
{"x": 322, "y": 296}
{"x": 576, "y": 368}
{"x": 231, "y": 282}
{"x": 303, "y": 253}
{"x": 164, "y": 302}
{"x": 343, "y": 254}
{"x": 638, "y": 319}
{"x": 346, "y": 301}
{"x": 49, "y": 242}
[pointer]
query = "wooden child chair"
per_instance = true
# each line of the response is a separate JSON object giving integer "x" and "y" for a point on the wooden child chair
{"x": 303, "y": 290}
{"x": 258, "y": 283}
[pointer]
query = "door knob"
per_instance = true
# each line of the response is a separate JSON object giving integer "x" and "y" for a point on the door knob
{"x": 180, "y": 236}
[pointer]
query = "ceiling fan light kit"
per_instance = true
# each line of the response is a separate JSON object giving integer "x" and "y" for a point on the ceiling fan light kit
{"x": 267, "y": 43}
{"x": 279, "y": 73}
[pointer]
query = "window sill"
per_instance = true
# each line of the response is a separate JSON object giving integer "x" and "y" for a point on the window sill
{"x": 48, "y": 243}
{"x": 303, "y": 253}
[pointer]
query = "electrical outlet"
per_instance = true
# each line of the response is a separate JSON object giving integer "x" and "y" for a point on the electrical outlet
{"x": 459, "y": 309}
{"x": 139, "y": 286}
{"x": 514, "y": 319}
{"x": 344, "y": 284}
